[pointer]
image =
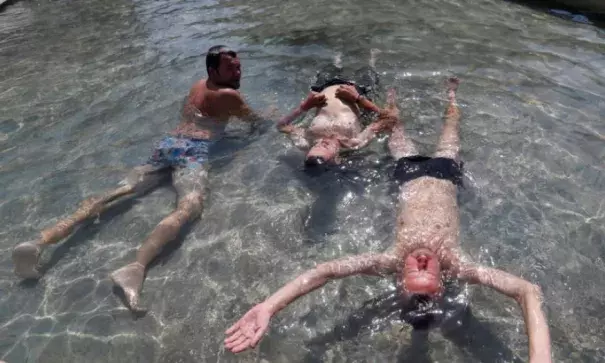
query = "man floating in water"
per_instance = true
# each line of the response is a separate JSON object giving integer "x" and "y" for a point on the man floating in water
{"x": 340, "y": 101}
{"x": 183, "y": 156}
{"x": 426, "y": 254}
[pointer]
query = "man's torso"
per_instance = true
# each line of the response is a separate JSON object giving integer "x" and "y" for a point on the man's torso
{"x": 428, "y": 214}
{"x": 335, "y": 119}
{"x": 206, "y": 114}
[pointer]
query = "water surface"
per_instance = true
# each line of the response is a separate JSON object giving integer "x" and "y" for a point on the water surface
{"x": 87, "y": 87}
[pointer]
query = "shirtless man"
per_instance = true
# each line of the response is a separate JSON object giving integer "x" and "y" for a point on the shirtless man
{"x": 336, "y": 125}
{"x": 183, "y": 154}
{"x": 426, "y": 254}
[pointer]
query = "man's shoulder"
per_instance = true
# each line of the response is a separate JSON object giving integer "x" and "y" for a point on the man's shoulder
{"x": 228, "y": 92}
{"x": 229, "y": 96}
{"x": 213, "y": 90}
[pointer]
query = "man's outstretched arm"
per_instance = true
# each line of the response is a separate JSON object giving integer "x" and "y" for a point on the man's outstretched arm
{"x": 239, "y": 108}
{"x": 529, "y": 297}
{"x": 247, "y": 332}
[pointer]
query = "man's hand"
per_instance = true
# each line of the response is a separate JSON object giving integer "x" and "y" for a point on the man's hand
{"x": 286, "y": 129}
{"x": 347, "y": 142}
{"x": 387, "y": 119}
{"x": 313, "y": 100}
{"x": 347, "y": 93}
{"x": 377, "y": 127}
{"x": 247, "y": 332}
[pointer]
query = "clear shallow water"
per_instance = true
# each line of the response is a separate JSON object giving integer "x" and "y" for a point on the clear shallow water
{"x": 87, "y": 87}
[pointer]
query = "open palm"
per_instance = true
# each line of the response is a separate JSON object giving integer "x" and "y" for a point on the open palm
{"x": 247, "y": 332}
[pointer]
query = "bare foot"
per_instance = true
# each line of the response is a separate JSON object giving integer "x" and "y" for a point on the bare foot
{"x": 452, "y": 85}
{"x": 286, "y": 129}
{"x": 130, "y": 279}
{"x": 25, "y": 259}
{"x": 391, "y": 99}
{"x": 374, "y": 52}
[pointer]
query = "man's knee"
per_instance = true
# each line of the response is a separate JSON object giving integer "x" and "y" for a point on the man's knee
{"x": 192, "y": 204}
{"x": 191, "y": 181}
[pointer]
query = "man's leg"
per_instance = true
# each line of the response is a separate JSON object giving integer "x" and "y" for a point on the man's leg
{"x": 449, "y": 142}
{"x": 140, "y": 180}
{"x": 399, "y": 145}
{"x": 191, "y": 189}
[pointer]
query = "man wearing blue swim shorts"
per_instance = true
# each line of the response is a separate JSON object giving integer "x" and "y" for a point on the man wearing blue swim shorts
{"x": 182, "y": 155}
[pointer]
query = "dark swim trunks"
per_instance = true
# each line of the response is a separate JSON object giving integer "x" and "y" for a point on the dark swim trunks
{"x": 365, "y": 79}
{"x": 413, "y": 167}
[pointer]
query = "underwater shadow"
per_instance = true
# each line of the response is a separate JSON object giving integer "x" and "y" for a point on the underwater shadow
{"x": 384, "y": 305}
{"x": 329, "y": 185}
{"x": 225, "y": 150}
{"x": 475, "y": 338}
{"x": 171, "y": 247}
{"x": 5, "y": 3}
{"x": 564, "y": 11}
{"x": 562, "y": 341}
{"x": 163, "y": 256}
{"x": 86, "y": 231}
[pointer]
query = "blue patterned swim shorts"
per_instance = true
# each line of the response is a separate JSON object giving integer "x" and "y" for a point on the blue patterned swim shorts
{"x": 180, "y": 152}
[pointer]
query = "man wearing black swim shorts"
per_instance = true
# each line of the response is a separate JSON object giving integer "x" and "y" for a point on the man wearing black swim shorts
{"x": 426, "y": 254}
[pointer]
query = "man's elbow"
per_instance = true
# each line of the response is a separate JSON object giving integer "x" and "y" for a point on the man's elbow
{"x": 356, "y": 144}
{"x": 324, "y": 272}
{"x": 530, "y": 290}
{"x": 536, "y": 290}
{"x": 352, "y": 144}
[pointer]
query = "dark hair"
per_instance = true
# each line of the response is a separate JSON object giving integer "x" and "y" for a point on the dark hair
{"x": 213, "y": 58}
{"x": 421, "y": 312}
{"x": 312, "y": 161}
